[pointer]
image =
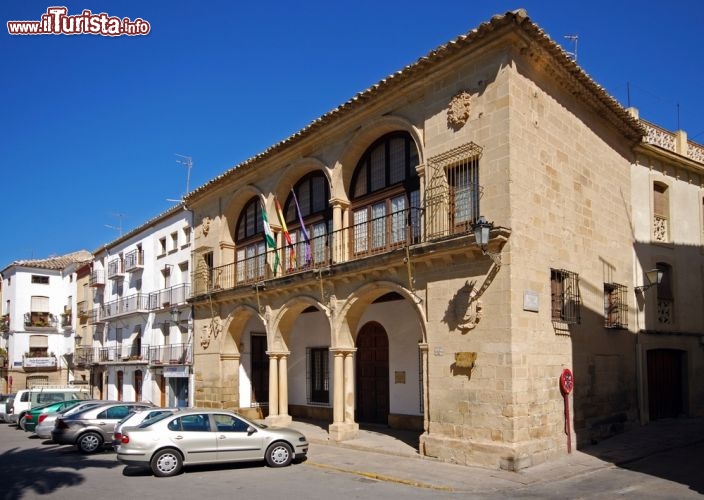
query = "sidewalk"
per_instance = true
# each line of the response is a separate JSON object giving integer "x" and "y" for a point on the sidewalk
{"x": 391, "y": 455}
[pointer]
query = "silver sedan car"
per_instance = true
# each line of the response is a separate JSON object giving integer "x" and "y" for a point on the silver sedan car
{"x": 206, "y": 436}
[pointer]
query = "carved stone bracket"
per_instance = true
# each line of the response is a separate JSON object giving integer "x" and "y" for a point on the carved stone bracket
{"x": 468, "y": 309}
{"x": 210, "y": 331}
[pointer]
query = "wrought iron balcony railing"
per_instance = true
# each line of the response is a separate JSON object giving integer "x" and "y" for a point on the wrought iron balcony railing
{"x": 359, "y": 241}
{"x": 40, "y": 321}
{"x": 181, "y": 354}
{"x": 177, "y": 294}
{"x": 132, "y": 304}
{"x": 134, "y": 260}
{"x": 97, "y": 278}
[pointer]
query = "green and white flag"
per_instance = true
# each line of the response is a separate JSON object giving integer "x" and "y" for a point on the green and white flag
{"x": 270, "y": 238}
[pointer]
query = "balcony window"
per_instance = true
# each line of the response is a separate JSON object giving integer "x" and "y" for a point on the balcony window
{"x": 309, "y": 228}
{"x": 566, "y": 300}
{"x": 251, "y": 250}
{"x": 386, "y": 191}
{"x": 661, "y": 212}
{"x": 615, "y": 306}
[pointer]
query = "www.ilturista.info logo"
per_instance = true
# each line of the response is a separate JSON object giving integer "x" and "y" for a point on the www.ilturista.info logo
{"x": 56, "y": 21}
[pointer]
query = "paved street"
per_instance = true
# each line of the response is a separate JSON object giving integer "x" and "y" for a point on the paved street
{"x": 662, "y": 460}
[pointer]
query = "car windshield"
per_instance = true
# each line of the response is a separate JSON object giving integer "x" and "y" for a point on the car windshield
{"x": 154, "y": 419}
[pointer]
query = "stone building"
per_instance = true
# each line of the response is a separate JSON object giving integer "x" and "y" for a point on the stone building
{"x": 337, "y": 275}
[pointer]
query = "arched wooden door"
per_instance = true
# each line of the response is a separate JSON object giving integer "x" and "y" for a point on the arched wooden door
{"x": 372, "y": 374}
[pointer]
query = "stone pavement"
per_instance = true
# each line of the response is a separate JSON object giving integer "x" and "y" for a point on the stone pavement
{"x": 391, "y": 455}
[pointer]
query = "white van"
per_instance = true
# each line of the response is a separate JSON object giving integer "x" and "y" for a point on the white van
{"x": 29, "y": 398}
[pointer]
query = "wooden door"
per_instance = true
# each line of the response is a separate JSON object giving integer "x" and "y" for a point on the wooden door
{"x": 665, "y": 390}
{"x": 372, "y": 374}
{"x": 260, "y": 370}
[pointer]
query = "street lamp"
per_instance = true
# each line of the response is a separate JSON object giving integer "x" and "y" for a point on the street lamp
{"x": 654, "y": 277}
{"x": 175, "y": 315}
{"x": 482, "y": 229}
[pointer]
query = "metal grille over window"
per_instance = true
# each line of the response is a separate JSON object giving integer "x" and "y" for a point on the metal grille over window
{"x": 615, "y": 306}
{"x": 453, "y": 192}
{"x": 566, "y": 300}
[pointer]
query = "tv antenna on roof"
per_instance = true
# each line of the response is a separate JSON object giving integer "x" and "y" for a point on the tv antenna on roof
{"x": 574, "y": 39}
{"x": 119, "y": 227}
{"x": 186, "y": 161}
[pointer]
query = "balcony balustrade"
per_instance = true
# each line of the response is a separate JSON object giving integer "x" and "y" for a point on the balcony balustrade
{"x": 132, "y": 304}
{"x": 42, "y": 321}
{"x": 116, "y": 270}
{"x": 121, "y": 353}
{"x": 134, "y": 260}
{"x": 359, "y": 241}
{"x": 181, "y": 354}
{"x": 97, "y": 278}
{"x": 177, "y": 294}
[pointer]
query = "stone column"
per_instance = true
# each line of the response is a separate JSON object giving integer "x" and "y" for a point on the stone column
{"x": 278, "y": 390}
{"x": 273, "y": 387}
{"x": 343, "y": 427}
{"x": 338, "y": 406}
{"x": 349, "y": 387}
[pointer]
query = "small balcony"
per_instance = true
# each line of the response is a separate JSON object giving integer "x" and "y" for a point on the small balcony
{"x": 116, "y": 269}
{"x": 97, "y": 278}
{"x": 82, "y": 310}
{"x": 5, "y": 323}
{"x": 173, "y": 354}
{"x": 134, "y": 261}
{"x": 167, "y": 297}
{"x": 40, "y": 321}
{"x": 132, "y": 304}
{"x": 84, "y": 356}
{"x": 96, "y": 316}
{"x": 135, "y": 352}
{"x": 66, "y": 319}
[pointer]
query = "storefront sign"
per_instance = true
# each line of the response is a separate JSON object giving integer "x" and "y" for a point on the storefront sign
{"x": 175, "y": 371}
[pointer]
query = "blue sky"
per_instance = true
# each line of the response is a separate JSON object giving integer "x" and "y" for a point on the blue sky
{"x": 90, "y": 126}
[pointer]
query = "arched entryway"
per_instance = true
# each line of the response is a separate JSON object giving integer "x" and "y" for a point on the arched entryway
{"x": 372, "y": 380}
{"x": 665, "y": 390}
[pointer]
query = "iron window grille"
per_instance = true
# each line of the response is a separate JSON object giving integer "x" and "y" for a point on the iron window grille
{"x": 566, "y": 300}
{"x": 317, "y": 373}
{"x": 615, "y": 306}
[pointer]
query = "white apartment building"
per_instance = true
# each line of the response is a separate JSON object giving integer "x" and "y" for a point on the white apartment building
{"x": 140, "y": 342}
{"x": 38, "y": 311}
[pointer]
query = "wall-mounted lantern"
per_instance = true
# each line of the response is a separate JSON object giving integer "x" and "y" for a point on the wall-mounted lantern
{"x": 654, "y": 277}
{"x": 482, "y": 229}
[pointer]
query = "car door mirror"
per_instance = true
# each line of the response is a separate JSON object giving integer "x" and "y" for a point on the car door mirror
{"x": 251, "y": 430}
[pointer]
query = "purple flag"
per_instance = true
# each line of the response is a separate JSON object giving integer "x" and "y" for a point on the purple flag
{"x": 305, "y": 234}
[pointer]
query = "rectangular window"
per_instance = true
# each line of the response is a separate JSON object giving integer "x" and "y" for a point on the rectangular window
{"x": 174, "y": 241}
{"x": 566, "y": 300}
{"x": 40, "y": 280}
{"x": 162, "y": 246}
{"x": 318, "y": 375}
{"x": 186, "y": 236}
{"x": 463, "y": 181}
{"x": 615, "y": 306}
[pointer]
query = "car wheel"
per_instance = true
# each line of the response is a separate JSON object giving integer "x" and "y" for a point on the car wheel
{"x": 21, "y": 423}
{"x": 89, "y": 442}
{"x": 279, "y": 455}
{"x": 166, "y": 463}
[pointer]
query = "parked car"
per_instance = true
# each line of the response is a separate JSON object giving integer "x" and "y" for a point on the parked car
{"x": 137, "y": 418}
{"x": 29, "y": 398}
{"x": 91, "y": 428}
{"x": 46, "y": 421}
{"x": 31, "y": 417}
{"x": 5, "y": 403}
{"x": 206, "y": 436}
